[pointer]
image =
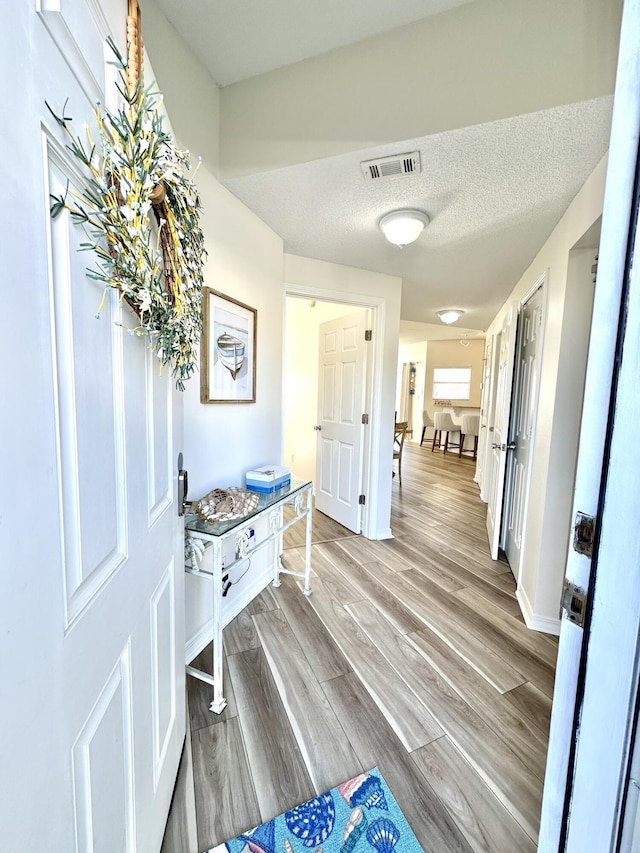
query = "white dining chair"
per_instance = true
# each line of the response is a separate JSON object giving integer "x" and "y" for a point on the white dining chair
{"x": 443, "y": 423}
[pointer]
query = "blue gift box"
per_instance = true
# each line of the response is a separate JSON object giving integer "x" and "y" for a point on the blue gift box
{"x": 268, "y": 479}
{"x": 267, "y": 488}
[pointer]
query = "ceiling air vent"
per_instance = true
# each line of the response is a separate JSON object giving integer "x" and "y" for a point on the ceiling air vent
{"x": 389, "y": 167}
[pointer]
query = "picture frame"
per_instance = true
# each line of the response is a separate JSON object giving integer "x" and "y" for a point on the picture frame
{"x": 227, "y": 349}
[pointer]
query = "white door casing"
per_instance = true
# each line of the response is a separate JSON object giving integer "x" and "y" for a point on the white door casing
{"x": 591, "y": 706}
{"x": 100, "y": 622}
{"x": 341, "y": 397}
{"x": 497, "y": 452}
{"x": 522, "y": 424}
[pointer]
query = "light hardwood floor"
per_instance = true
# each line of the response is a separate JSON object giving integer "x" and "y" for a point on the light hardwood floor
{"x": 410, "y": 655}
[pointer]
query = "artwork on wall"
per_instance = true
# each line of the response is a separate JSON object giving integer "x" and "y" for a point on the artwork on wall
{"x": 228, "y": 350}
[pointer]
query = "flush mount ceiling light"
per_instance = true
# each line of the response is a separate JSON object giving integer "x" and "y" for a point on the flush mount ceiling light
{"x": 450, "y": 315}
{"x": 402, "y": 227}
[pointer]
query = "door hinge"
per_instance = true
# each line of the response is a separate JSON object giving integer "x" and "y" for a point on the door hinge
{"x": 584, "y": 531}
{"x": 365, "y": 419}
{"x": 368, "y": 335}
{"x": 361, "y": 500}
{"x": 574, "y": 603}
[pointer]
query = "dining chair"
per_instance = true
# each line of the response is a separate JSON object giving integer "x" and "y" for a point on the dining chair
{"x": 399, "y": 433}
{"x": 427, "y": 421}
{"x": 470, "y": 426}
{"x": 443, "y": 422}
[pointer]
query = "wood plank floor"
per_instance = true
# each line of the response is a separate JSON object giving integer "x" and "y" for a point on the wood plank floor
{"x": 410, "y": 655}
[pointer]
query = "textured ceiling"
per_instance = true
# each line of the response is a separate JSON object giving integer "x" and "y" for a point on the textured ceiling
{"x": 493, "y": 192}
{"x": 236, "y": 39}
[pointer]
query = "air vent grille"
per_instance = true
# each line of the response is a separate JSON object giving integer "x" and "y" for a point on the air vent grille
{"x": 390, "y": 167}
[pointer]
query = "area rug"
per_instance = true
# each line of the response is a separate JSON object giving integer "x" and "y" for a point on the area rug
{"x": 359, "y": 816}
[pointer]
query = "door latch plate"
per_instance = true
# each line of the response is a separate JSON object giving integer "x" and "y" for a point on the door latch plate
{"x": 584, "y": 531}
{"x": 574, "y": 603}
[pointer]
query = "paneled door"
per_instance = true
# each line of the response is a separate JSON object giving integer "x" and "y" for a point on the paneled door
{"x": 485, "y": 404}
{"x": 523, "y": 418}
{"x": 92, "y": 705}
{"x": 499, "y": 428}
{"x": 341, "y": 390}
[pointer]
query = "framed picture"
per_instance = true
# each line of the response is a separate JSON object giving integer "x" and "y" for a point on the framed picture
{"x": 227, "y": 350}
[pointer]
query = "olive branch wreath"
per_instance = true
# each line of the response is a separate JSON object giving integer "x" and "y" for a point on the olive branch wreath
{"x": 135, "y": 171}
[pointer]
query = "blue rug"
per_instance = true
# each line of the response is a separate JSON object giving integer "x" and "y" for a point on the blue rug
{"x": 359, "y": 816}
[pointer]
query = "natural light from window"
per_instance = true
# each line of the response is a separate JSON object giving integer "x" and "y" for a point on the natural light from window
{"x": 451, "y": 383}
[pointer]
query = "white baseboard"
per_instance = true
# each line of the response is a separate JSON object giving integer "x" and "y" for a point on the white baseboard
{"x": 386, "y": 533}
{"x": 534, "y": 622}
{"x": 198, "y": 642}
{"x": 202, "y": 637}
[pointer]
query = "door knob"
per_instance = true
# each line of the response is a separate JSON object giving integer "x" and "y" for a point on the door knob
{"x": 318, "y": 428}
{"x": 512, "y": 445}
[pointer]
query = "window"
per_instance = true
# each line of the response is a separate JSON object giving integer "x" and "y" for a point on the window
{"x": 451, "y": 383}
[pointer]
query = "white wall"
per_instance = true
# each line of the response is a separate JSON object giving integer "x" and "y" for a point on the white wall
{"x": 245, "y": 261}
{"x": 223, "y": 441}
{"x": 339, "y": 283}
{"x": 302, "y": 320}
{"x": 191, "y": 97}
{"x": 548, "y": 517}
{"x": 477, "y": 63}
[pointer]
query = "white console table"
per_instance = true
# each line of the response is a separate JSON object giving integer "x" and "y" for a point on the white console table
{"x": 299, "y": 496}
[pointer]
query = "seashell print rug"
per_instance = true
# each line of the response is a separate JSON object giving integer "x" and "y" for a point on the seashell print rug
{"x": 359, "y": 816}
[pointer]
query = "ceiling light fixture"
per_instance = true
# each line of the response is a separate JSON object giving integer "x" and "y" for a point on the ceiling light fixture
{"x": 450, "y": 315}
{"x": 402, "y": 227}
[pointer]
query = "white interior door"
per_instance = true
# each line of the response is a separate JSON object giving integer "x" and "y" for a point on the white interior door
{"x": 341, "y": 390}
{"x": 484, "y": 415}
{"x": 595, "y": 691}
{"x": 525, "y": 397}
{"x": 92, "y": 621}
{"x": 497, "y": 455}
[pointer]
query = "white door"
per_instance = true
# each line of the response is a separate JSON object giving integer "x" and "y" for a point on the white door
{"x": 92, "y": 693}
{"x": 523, "y": 418}
{"x": 597, "y": 671}
{"x": 341, "y": 398}
{"x": 484, "y": 414}
{"x": 499, "y": 428}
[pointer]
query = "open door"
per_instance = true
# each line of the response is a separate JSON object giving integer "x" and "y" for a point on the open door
{"x": 484, "y": 414}
{"x": 499, "y": 427}
{"x": 587, "y": 780}
{"x": 91, "y": 593}
{"x": 341, "y": 399}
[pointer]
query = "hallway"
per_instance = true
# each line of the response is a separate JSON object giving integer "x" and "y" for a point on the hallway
{"x": 410, "y": 655}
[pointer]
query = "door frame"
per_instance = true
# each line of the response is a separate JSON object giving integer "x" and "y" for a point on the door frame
{"x": 541, "y": 282}
{"x": 577, "y": 705}
{"x": 372, "y": 435}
